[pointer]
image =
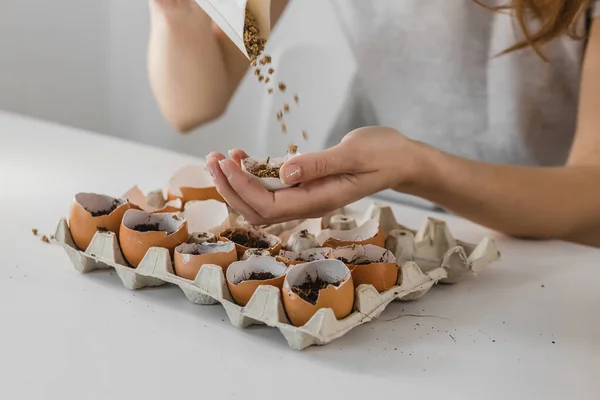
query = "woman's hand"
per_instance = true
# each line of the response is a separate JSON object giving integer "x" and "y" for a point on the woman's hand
{"x": 367, "y": 161}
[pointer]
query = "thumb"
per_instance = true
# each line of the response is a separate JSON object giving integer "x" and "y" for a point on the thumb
{"x": 306, "y": 167}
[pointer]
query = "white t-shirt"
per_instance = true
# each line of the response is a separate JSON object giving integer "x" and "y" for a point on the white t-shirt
{"x": 427, "y": 68}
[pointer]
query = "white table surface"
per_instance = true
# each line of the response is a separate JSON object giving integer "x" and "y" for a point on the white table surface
{"x": 527, "y": 328}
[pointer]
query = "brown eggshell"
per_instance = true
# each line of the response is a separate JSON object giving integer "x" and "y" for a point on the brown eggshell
{"x": 84, "y": 226}
{"x": 339, "y": 299}
{"x": 188, "y": 265}
{"x": 291, "y": 258}
{"x": 192, "y": 183}
{"x": 242, "y": 290}
{"x": 382, "y": 275}
{"x": 135, "y": 244}
{"x": 274, "y": 241}
{"x": 153, "y": 202}
{"x": 368, "y": 233}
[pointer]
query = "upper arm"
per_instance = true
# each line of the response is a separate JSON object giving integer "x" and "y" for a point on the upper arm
{"x": 586, "y": 147}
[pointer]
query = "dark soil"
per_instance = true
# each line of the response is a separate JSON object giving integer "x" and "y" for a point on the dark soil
{"x": 260, "y": 276}
{"x": 101, "y": 229}
{"x": 309, "y": 290}
{"x": 245, "y": 238}
{"x": 106, "y": 211}
{"x": 147, "y": 227}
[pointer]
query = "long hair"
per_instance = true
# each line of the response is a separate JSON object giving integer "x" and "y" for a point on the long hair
{"x": 554, "y": 18}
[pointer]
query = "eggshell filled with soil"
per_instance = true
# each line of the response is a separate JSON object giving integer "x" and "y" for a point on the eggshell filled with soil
{"x": 90, "y": 213}
{"x": 250, "y": 238}
{"x": 370, "y": 265}
{"x": 201, "y": 237}
{"x": 291, "y": 258}
{"x": 319, "y": 284}
{"x": 153, "y": 202}
{"x": 367, "y": 233}
{"x": 192, "y": 183}
{"x": 244, "y": 277}
{"x": 141, "y": 230}
{"x": 301, "y": 241}
{"x": 267, "y": 171}
{"x": 256, "y": 252}
{"x": 189, "y": 258}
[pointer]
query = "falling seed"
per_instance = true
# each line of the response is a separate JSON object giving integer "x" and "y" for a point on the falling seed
{"x": 34, "y": 231}
{"x": 283, "y": 128}
{"x": 271, "y": 70}
{"x": 270, "y": 90}
{"x": 296, "y": 99}
{"x": 267, "y": 79}
{"x": 279, "y": 115}
{"x": 45, "y": 239}
{"x": 286, "y": 108}
{"x": 304, "y": 135}
{"x": 265, "y": 60}
{"x": 282, "y": 86}
{"x": 261, "y": 78}
{"x": 257, "y": 71}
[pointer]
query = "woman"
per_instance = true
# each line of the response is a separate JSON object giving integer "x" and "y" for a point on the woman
{"x": 517, "y": 136}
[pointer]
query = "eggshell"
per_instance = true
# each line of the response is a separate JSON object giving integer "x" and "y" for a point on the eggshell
{"x": 367, "y": 233}
{"x": 382, "y": 273}
{"x": 271, "y": 184}
{"x": 242, "y": 290}
{"x": 201, "y": 237}
{"x": 192, "y": 183}
{"x": 188, "y": 265}
{"x": 342, "y": 223}
{"x": 135, "y": 244}
{"x": 154, "y": 202}
{"x": 274, "y": 241}
{"x": 291, "y": 258}
{"x": 204, "y": 215}
{"x": 255, "y": 252}
{"x": 84, "y": 225}
{"x": 340, "y": 299}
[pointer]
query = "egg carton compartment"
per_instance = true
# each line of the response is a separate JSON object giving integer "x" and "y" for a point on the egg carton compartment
{"x": 425, "y": 257}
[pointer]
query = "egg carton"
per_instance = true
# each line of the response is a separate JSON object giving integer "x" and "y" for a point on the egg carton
{"x": 266, "y": 306}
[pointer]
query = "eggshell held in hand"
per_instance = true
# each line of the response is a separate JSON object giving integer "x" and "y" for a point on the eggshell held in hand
{"x": 189, "y": 258}
{"x": 370, "y": 265}
{"x": 84, "y": 225}
{"x": 237, "y": 273}
{"x": 154, "y": 202}
{"x": 367, "y": 233}
{"x": 135, "y": 244}
{"x": 192, "y": 183}
{"x": 271, "y": 184}
{"x": 272, "y": 241}
{"x": 338, "y": 298}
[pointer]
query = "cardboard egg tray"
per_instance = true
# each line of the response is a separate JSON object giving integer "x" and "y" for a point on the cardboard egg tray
{"x": 266, "y": 307}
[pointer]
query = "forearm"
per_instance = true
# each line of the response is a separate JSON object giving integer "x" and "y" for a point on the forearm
{"x": 544, "y": 203}
{"x": 187, "y": 64}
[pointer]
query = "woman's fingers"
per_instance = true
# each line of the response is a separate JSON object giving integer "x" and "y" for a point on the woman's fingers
{"x": 306, "y": 167}
{"x": 238, "y": 155}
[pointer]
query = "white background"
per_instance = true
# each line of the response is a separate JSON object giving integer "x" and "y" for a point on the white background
{"x": 83, "y": 63}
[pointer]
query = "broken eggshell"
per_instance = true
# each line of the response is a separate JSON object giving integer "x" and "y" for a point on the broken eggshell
{"x": 367, "y": 233}
{"x": 238, "y": 272}
{"x": 192, "y": 183}
{"x": 83, "y": 224}
{"x": 239, "y": 233}
{"x": 153, "y": 202}
{"x": 370, "y": 265}
{"x": 204, "y": 215}
{"x": 291, "y": 258}
{"x": 189, "y": 258}
{"x": 201, "y": 237}
{"x": 134, "y": 243}
{"x": 271, "y": 184}
{"x": 340, "y": 299}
